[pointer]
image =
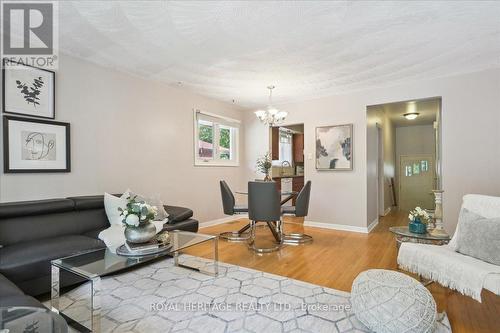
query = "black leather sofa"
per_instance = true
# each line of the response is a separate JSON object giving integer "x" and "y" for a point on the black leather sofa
{"x": 32, "y": 233}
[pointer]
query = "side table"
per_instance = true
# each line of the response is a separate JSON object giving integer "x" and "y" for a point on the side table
{"x": 403, "y": 234}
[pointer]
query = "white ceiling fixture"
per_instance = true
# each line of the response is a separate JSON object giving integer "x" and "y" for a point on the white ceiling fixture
{"x": 271, "y": 116}
{"x": 231, "y": 49}
{"x": 411, "y": 115}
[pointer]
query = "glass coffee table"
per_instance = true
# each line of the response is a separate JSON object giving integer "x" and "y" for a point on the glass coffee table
{"x": 95, "y": 264}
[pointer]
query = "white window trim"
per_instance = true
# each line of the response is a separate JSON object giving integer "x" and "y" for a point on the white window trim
{"x": 216, "y": 162}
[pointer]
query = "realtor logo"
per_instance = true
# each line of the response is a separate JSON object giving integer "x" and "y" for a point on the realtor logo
{"x": 29, "y": 32}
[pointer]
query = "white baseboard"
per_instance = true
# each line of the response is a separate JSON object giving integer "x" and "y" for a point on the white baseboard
{"x": 342, "y": 227}
{"x": 372, "y": 225}
{"x": 223, "y": 220}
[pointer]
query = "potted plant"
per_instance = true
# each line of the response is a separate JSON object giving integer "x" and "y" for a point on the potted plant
{"x": 418, "y": 220}
{"x": 137, "y": 217}
{"x": 264, "y": 164}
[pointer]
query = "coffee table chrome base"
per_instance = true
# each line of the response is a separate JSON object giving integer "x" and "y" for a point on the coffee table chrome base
{"x": 296, "y": 238}
{"x": 215, "y": 269}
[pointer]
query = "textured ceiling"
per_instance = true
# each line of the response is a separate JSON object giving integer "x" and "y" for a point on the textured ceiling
{"x": 427, "y": 109}
{"x": 233, "y": 50}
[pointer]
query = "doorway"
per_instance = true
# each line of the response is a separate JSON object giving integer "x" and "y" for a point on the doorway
{"x": 402, "y": 138}
{"x": 287, "y": 153}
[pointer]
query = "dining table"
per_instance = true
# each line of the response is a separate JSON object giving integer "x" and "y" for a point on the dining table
{"x": 286, "y": 196}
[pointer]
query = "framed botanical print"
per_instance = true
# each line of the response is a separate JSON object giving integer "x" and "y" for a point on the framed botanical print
{"x": 28, "y": 90}
{"x": 36, "y": 145}
{"x": 334, "y": 147}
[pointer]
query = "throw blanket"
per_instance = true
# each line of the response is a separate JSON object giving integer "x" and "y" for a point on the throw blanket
{"x": 451, "y": 269}
{"x": 114, "y": 237}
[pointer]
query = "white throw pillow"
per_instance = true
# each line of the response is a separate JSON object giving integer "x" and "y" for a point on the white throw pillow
{"x": 111, "y": 205}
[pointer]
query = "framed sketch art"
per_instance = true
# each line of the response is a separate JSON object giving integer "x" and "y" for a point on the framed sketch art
{"x": 36, "y": 145}
{"x": 334, "y": 147}
{"x": 27, "y": 90}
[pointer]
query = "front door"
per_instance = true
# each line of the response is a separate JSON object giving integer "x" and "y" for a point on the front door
{"x": 416, "y": 181}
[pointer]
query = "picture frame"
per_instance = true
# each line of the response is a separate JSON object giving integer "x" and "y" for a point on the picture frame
{"x": 334, "y": 147}
{"x": 28, "y": 90}
{"x": 36, "y": 145}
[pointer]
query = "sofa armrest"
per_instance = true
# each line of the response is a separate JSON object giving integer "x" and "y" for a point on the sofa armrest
{"x": 178, "y": 214}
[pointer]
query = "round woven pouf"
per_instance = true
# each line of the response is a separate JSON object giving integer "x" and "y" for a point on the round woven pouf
{"x": 388, "y": 301}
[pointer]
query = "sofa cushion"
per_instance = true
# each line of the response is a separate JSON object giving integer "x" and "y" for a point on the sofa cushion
{"x": 479, "y": 238}
{"x": 178, "y": 214}
{"x": 111, "y": 205}
{"x": 88, "y": 202}
{"x": 186, "y": 225}
{"x": 8, "y": 288}
{"x": 27, "y": 260}
{"x": 20, "y": 300}
{"x": 38, "y": 207}
{"x": 29, "y": 228}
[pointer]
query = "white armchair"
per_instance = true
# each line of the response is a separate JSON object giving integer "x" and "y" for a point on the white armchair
{"x": 451, "y": 269}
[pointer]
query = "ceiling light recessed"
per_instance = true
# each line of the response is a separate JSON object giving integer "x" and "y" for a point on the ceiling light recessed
{"x": 411, "y": 115}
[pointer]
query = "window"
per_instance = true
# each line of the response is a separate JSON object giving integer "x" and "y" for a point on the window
{"x": 216, "y": 140}
{"x": 285, "y": 148}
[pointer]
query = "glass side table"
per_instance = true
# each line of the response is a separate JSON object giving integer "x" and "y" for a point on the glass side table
{"x": 30, "y": 319}
{"x": 403, "y": 234}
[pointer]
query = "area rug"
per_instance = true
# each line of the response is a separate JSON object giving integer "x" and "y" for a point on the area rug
{"x": 163, "y": 298}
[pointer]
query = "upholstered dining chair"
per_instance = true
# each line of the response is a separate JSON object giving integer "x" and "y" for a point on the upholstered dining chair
{"x": 264, "y": 205}
{"x": 230, "y": 208}
{"x": 301, "y": 209}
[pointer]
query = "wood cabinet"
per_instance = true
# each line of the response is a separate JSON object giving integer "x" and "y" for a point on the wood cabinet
{"x": 298, "y": 148}
{"x": 275, "y": 143}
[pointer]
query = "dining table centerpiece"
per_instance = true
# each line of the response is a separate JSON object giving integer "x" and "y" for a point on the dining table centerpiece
{"x": 137, "y": 217}
{"x": 264, "y": 164}
{"x": 418, "y": 220}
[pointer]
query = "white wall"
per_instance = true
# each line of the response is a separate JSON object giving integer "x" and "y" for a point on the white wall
{"x": 414, "y": 140}
{"x": 470, "y": 136}
{"x": 376, "y": 116}
{"x": 128, "y": 132}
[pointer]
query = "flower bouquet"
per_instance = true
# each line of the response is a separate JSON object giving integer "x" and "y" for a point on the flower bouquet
{"x": 418, "y": 220}
{"x": 137, "y": 216}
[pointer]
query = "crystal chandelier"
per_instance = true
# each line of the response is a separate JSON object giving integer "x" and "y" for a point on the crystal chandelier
{"x": 271, "y": 116}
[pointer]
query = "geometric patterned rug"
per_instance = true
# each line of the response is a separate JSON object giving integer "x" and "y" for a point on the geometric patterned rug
{"x": 163, "y": 298}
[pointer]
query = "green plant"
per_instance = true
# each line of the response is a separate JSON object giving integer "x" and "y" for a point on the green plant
{"x": 264, "y": 163}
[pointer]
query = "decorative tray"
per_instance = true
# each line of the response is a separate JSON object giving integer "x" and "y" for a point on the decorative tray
{"x": 124, "y": 251}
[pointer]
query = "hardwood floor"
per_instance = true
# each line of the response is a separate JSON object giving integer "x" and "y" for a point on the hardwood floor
{"x": 335, "y": 258}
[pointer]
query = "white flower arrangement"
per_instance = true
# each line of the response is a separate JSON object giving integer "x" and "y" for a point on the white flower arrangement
{"x": 419, "y": 213}
{"x": 137, "y": 212}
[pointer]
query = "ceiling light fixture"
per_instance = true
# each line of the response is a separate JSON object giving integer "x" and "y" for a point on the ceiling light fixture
{"x": 271, "y": 116}
{"x": 411, "y": 115}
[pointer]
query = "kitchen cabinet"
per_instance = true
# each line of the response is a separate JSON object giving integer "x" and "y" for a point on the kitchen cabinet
{"x": 298, "y": 148}
{"x": 275, "y": 143}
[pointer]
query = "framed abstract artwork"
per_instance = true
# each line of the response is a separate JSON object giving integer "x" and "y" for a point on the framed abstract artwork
{"x": 334, "y": 147}
{"x": 35, "y": 145}
{"x": 28, "y": 90}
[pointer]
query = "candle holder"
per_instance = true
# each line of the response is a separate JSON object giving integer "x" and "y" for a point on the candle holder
{"x": 438, "y": 230}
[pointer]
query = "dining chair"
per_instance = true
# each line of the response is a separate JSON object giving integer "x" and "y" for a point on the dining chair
{"x": 301, "y": 209}
{"x": 264, "y": 206}
{"x": 230, "y": 208}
